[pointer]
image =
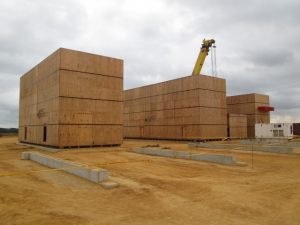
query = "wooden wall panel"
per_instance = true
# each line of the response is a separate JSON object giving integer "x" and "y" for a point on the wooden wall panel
{"x": 108, "y": 134}
{"x": 75, "y": 135}
{"x": 39, "y": 114}
{"x": 84, "y": 85}
{"x": 48, "y": 112}
{"x": 90, "y": 111}
{"x": 90, "y": 135}
{"x": 90, "y": 63}
{"x": 47, "y": 88}
{"x": 49, "y": 65}
{"x": 238, "y": 132}
{"x": 262, "y": 98}
{"x": 177, "y": 85}
{"x": 248, "y": 98}
{"x": 237, "y": 120}
{"x": 195, "y": 115}
{"x": 163, "y": 132}
{"x": 204, "y": 131}
{"x": 185, "y": 99}
{"x": 237, "y": 125}
{"x": 133, "y": 131}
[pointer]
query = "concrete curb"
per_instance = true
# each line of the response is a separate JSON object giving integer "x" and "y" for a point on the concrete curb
{"x": 95, "y": 175}
{"x": 261, "y": 148}
{"x": 222, "y": 159}
{"x": 214, "y": 158}
{"x": 263, "y": 141}
{"x": 211, "y": 146}
{"x": 294, "y": 144}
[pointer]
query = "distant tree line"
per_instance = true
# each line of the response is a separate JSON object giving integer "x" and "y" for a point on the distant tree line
{"x": 8, "y": 130}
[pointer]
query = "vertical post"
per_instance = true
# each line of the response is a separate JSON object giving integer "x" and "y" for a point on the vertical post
{"x": 252, "y": 155}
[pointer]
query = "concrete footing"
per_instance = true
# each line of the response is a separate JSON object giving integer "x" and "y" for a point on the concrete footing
{"x": 264, "y": 141}
{"x": 214, "y": 158}
{"x": 294, "y": 144}
{"x": 109, "y": 184}
{"x": 221, "y": 159}
{"x": 95, "y": 175}
{"x": 272, "y": 148}
{"x": 212, "y": 146}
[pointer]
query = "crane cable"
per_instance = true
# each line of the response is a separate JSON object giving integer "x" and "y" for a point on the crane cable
{"x": 213, "y": 61}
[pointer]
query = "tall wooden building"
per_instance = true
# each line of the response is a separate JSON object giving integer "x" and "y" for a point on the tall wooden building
{"x": 72, "y": 99}
{"x": 192, "y": 107}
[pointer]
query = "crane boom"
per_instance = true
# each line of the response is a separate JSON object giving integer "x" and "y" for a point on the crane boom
{"x": 206, "y": 44}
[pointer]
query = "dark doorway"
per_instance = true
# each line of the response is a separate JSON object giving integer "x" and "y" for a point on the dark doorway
{"x": 25, "y": 133}
{"x": 296, "y": 128}
{"x": 45, "y": 134}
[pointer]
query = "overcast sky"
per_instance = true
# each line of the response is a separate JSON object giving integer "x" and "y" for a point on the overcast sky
{"x": 258, "y": 43}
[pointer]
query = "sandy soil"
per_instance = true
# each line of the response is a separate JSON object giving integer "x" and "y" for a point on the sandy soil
{"x": 152, "y": 190}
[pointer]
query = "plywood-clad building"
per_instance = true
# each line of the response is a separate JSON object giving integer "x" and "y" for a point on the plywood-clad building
{"x": 237, "y": 125}
{"x": 248, "y": 104}
{"x": 192, "y": 107}
{"x": 72, "y": 99}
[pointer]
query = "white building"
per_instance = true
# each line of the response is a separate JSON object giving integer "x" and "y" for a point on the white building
{"x": 273, "y": 130}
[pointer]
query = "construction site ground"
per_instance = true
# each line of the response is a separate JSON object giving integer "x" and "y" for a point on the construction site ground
{"x": 153, "y": 190}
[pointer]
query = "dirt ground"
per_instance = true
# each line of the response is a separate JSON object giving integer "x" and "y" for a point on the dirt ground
{"x": 153, "y": 190}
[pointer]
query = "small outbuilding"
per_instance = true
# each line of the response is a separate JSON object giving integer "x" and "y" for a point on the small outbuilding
{"x": 273, "y": 130}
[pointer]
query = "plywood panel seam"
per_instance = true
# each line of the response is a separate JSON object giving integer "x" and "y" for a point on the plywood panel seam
{"x": 175, "y": 92}
{"x": 96, "y": 74}
{"x": 192, "y": 107}
{"x": 170, "y": 125}
{"x": 244, "y": 103}
{"x": 42, "y": 102}
{"x": 108, "y": 100}
{"x": 91, "y": 124}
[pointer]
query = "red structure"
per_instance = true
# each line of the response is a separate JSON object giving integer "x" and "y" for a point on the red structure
{"x": 265, "y": 108}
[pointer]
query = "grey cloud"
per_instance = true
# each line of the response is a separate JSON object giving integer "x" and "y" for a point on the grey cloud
{"x": 32, "y": 28}
{"x": 270, "y": 57}
{"x": 257, "y": 48}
